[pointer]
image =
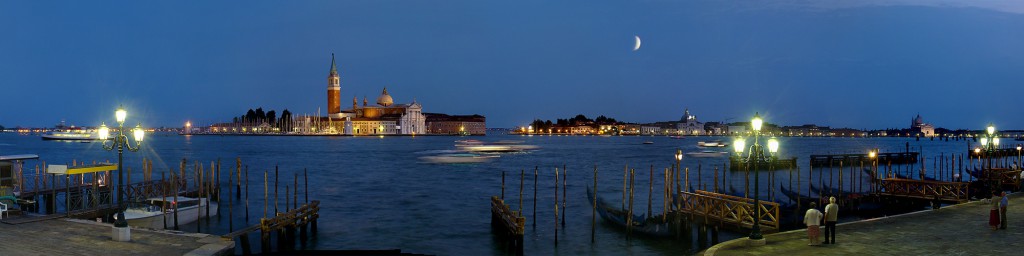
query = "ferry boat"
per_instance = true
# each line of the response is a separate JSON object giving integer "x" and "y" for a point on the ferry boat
{"x": 71, "y": 135}
{"x": 63, "y": 132}
{"x": 151, "y": 215}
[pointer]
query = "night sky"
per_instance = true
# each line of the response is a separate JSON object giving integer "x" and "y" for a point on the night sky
{"x": 858, "y": 64}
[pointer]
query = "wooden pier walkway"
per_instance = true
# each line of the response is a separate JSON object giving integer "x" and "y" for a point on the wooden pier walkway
{"x": 954, "y": 230}
{"x": 80, "y": 237}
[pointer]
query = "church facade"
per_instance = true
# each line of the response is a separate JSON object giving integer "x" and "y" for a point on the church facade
{"x": 383, "y": 118}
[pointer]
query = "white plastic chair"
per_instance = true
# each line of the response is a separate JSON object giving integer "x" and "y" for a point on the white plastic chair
{"x": 3, "y": 210}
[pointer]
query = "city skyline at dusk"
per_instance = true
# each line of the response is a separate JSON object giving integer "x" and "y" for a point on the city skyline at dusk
{"x": 870, "y": 65}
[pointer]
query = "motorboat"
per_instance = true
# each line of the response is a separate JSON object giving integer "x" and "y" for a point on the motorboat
{"x": 150, "y": 214}
{"x": 711, "y": 144}
{"x": 476, "y": 146}
{"x": 677, "y": 137}
{"x": 463, "y": 158}
{"x": 707, "y": 153}
{"x": 648, "y": 142}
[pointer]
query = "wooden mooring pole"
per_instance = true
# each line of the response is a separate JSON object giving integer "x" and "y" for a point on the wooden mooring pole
{"x": 593, "y": 211}
{"x": 556, "y": 206}
{"x": 565, "y": 197}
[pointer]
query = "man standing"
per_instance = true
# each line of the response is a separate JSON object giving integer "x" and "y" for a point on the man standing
{"x": 831, "y": 216}
{"x": 1002, "y": 211}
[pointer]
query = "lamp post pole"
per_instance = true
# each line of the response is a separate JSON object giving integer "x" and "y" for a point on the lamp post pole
{"x": 679, "y": 158}
{"x": 120, "y": 142}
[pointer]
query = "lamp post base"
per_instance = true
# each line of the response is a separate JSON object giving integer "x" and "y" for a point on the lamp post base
{"x": 121, "y": 234}
{"x": 756, "y": 242}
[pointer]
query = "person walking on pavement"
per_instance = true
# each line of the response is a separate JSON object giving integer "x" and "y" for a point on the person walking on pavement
{"x": 993, "y": 213}
{"x": 813, "y": 221}
{"x": 1002, "y": 211}
{"x": 831, "y": 216}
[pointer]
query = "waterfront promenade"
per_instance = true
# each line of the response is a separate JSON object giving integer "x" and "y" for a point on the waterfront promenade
{"x": 954, "y": 230}
{"x": 81, "y": 237}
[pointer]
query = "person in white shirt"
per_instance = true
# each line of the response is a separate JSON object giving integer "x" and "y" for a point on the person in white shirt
{"x": 813, "y": 221}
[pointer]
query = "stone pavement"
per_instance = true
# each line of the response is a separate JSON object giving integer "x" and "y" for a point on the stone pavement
{"x": 80, "y": 237}
{"x": 954, "y": 230}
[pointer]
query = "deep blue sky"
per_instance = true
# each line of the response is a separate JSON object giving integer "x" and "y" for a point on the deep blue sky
{"x": 860, "y": 64}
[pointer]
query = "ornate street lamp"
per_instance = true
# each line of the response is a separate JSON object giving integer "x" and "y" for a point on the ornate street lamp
{"x": 989, "y": 145}
{"x": 120, "y": 142}
{"x": 755, "y": 155}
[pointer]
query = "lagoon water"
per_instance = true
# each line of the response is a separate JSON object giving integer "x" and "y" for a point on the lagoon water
{"x": 377, "y": 194}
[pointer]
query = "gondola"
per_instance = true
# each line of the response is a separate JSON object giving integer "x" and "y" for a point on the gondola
{"x": 653, "y": 226}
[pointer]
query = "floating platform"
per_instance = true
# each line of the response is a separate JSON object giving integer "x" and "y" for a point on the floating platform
{"x": 738, "y": 164}
{"x": 849, "y": 159}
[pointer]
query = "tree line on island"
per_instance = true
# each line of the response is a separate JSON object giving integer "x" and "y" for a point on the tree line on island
{"x": 578, "y": 120}
{"x": 258, "y": 116}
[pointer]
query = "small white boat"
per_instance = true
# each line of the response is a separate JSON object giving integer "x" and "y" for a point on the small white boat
{"x": 457, "y": 158}
{"x": 707, "y": 153}
{"x": 151, "y": 215}
{"x": 648, "y": 142}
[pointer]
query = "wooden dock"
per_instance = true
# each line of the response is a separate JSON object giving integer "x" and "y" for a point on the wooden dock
{"x": 81, "y": 237}
{"x": 284, "y": 224}
{"x": 508, "y": 224}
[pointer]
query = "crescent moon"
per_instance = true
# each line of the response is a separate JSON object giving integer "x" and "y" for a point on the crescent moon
{"x": 637, "y": 46}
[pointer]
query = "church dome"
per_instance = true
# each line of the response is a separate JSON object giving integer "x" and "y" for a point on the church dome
{"x": 385, "y": 99}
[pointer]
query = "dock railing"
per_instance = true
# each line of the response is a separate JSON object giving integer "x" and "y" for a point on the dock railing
{"x": 925, "y": 189}
{"x": 734, "y": 210}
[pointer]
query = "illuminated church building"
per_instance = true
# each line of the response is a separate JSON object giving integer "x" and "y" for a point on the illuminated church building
{"x": 383, "y": 118}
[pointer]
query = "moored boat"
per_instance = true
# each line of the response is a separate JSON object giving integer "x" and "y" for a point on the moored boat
{"x": 151, "y": 213}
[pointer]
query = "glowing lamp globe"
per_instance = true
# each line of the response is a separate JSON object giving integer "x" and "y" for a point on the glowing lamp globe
{"x": 871, "y": 154}
{"x": 995, "y": 141}
{"x": 738, "y": 145}
{"x": 679, "y": 154}
{"x": 139, "y": 133}
{"x": 773, "y": 145}
{"x": 756, "y": 122}
{"x": 121, "y": 114}
{"x": 984, "y": 141}
{"x": 991, "y": 129}
{"x": 104, "y": 132}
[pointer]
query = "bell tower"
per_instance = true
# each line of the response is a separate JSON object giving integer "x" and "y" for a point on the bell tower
{"x": 333, "y": 89}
